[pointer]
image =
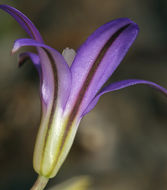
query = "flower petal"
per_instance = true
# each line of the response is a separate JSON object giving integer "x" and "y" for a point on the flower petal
{"x": 120, "y": 85}
{"x": 55, "y": 89}
{"x": 97, "y": 59}
{"x": 54, "y": 68}
{"x": 25, "y": 23}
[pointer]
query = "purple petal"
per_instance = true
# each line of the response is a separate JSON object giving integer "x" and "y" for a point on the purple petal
{"x": 56, "y": 82}
{"x": 98, "y": 58}
{"x": 34, "y": 58}
{"x": 25, "y": 23}
{"x": 120, "y": 85}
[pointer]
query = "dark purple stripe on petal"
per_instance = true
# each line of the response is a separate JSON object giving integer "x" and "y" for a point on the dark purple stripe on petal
{"x": 120, "y": 85}
{"x": 108, "y": 55}
{"x": 86, "y": 84}
{"x": 61, "y": 80}
{"x": 93, "y": 70}
{"x": 61, "y": 67}
{"x": 25, "y": 23}
{"x": 84, "y": 88}
{"x": 54, "y": 100}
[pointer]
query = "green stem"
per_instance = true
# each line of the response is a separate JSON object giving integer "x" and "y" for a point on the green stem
{"x": 40, "y": 183}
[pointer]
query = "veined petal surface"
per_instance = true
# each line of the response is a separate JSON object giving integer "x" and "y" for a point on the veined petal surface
{"x": 97, "y": 59}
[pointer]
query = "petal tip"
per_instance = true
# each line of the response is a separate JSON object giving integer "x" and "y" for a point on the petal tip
{"x": 134, "y": 25}
{"x": 15, "y": 48}
{"x": 128, "y": 20}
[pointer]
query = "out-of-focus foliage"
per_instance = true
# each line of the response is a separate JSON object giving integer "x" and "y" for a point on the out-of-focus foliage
{"x": 122, "y": 143}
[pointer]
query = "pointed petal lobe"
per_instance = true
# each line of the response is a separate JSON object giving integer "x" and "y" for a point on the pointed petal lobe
{"x": 120, "y": 85}
{"x": 25, "y": 22}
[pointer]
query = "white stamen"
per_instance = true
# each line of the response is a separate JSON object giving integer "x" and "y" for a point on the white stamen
{"x": 69, "y": 55}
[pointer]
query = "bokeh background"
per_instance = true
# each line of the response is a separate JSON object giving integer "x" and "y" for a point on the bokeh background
{"x": 122, "y": 143}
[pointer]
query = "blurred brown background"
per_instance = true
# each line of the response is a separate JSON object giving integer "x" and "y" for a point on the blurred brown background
{"x": 122, "y": 143}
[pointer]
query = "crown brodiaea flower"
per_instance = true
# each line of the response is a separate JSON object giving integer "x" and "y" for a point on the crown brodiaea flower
{"x": 71, "y": 84}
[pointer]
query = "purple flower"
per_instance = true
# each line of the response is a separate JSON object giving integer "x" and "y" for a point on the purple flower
{"x": 71, "y": 84}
